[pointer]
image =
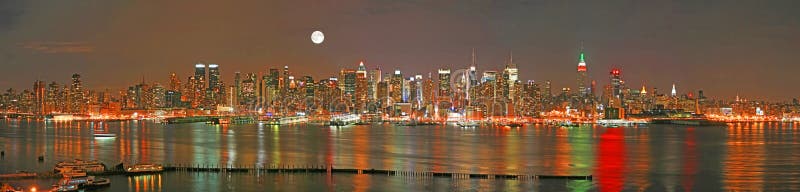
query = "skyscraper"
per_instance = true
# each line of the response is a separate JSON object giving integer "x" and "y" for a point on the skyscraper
{"x": 511, "y": 75}
{"x": 40, "y": 97}
{"x": 174, "y": 82}
{"x": 199, "y": 82}
{"x": 582, "y": 70}
{"x": 373, "y": 79}
{"x": 616, "y": 83}
{"x": 76, "y": 95}
{"x": 444, "y": 83}
{"x": 396, "y": 87}
{"x": 213, "y": 77}
{"x": 348, "y": 87}
{"x": 237, "y": 85}
{"x": 361, "y": 86}
{"x": 473, "y": 73}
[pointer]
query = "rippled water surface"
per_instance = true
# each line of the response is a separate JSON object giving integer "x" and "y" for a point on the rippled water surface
{"x": 755, "y": 156}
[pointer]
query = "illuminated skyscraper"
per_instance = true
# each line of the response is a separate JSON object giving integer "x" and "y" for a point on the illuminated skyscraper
{"x": 373, "y": 79}
{"x": 199, "y": 82}
{"x": 174, "y": 82}
{"x": 616, "y": 83}
{"x": 200, "y": 74}
{"x": 582, "y": 70}
{"x": 285, "y": 80}
{"x": 215, "y": 90}
{"x": 348, "y": 85}
{"x": 473, "y": 73}
{"x": 76, "y": 95}
{"x": 361, "y": 86}
{"x": 396, "y": 87}
{"x": 40, "y": 97}
{"x": 237, "y": 85}
{"x": 444, "y": 83}
{"x": 511, "y": 75}
{"x": 248, "y": 90}
{"x": 674, "y": 93}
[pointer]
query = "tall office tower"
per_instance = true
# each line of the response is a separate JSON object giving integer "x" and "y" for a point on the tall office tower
{"x": 361, "y": 87}
{"x": 273, "y": 78}
{"x": 156, "y": 96}
{"x": 214, "y": 82}
{"x": 309, "y": 86}
{"x": 416, "y": 89}
{"x": 501, "y": 86}
{"x": 199, "y": 82}
{"x": 616, "y": 83}
{"x": 174, "y": 82}
{"x": 348, "y": 87}
{"x": 548, "y": 91}
{"x": 233, "y": 99}
{"x": 237, "y": 85}
{"x": 428, "y": 93}
{"x": 40, "y": 92}
{"x": 396, "y": 87}
{"x": 382, "y": 93}
{"x": 54, "y": 98}
{"x": 76, "y": 95}
{"x": 582, "y": 71}
{"x": 444, "y": 83}
{"x": 473, "y": 73}
{"x": 248, "y": 90}
{"x": 511, "y": 76}
{"x": 373, "y": 79}
{"x": 284, "y": 80}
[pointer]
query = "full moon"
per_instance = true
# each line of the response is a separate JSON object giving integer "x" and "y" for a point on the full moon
{"x": 317, "y": 37}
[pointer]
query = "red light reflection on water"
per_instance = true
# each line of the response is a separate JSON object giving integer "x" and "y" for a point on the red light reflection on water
{"x": 610, "y": 170}
{"x": 690, "y": 160}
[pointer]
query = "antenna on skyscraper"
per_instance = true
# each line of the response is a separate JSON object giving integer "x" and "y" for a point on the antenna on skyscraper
{"x": 473, "y": 57}
{"x": 511, "y": 58}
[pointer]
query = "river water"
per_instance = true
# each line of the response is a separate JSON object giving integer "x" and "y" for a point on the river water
{"x": 746, "y": 156}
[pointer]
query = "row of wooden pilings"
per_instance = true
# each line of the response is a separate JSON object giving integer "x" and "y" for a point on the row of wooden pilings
{"x": 315, "y": 168}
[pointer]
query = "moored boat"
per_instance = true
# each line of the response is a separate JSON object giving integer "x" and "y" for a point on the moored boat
{"x": 144, "y": 168}
{"x": 77, "y": 164}
{"x": 467, "y": 123}
{"x": 79, "y": 183}
{"x": 73, "y": 173}
{"x": 105, "y": 135}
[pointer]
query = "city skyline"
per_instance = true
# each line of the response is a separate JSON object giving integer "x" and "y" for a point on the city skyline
{"x": 724, "y": 48}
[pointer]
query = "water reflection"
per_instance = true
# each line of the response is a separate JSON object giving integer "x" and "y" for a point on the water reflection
{"x": 610, "y": 163}
{"x": 145, "y": 183}
{"x": 745, "y": 156}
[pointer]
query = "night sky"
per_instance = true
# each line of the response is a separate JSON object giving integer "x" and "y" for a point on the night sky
{"x": 723, "y": 47}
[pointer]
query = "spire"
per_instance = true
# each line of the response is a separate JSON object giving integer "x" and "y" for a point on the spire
{"x": 473, "y": 57}
{"x": 674, "y": 93}
{"x": 511, "y": 60}
{"x": 644, "y": 90}
{"x": 581, "y": 57}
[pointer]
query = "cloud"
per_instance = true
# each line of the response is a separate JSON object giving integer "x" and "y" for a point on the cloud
{"x": 58, "y": 47}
